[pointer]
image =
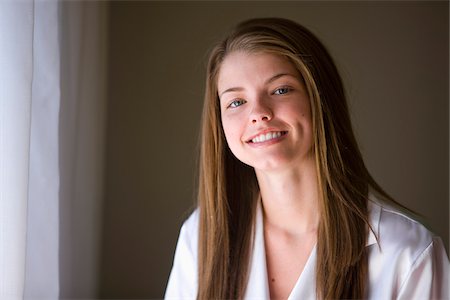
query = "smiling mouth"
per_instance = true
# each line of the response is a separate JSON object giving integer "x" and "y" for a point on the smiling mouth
{"x": 264, "y": 137}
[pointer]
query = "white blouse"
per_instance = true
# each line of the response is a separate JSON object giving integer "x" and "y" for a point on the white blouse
{"x": 407, "y": 261}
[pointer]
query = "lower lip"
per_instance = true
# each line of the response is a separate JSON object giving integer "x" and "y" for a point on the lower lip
{"x": 268, "y": 142}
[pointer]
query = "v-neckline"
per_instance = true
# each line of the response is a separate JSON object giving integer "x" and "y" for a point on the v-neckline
{"x": 305, "y": 286}
{"x": 258, "y": 283}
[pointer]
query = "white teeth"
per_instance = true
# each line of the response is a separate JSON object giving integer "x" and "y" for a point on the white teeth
{"x": 265, "y": 137}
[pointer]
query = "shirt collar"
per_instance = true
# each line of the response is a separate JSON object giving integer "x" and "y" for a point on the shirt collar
{"x": 374, "y": 210}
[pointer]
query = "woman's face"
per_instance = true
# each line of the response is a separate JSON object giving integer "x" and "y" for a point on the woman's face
{"x": 265, "y": 110}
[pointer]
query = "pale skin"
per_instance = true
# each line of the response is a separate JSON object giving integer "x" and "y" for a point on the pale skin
{"x": 266, "y": 118}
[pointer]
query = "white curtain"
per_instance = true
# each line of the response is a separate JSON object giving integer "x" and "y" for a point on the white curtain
{"x": 52, "y": 103}
{"x": 16, "y": 74}
{"x": 41, "y": 261}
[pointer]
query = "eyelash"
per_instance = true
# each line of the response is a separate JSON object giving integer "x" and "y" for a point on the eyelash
{"x": 286, "y": 90}
{"x": 231, "y": 105}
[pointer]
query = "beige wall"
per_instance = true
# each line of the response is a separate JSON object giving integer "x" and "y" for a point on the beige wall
{"x": 393, "y": 57}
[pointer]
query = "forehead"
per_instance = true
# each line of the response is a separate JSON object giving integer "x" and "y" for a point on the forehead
{"x": 240, "y": 68}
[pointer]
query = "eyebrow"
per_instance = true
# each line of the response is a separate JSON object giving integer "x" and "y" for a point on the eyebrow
{"x": 271, "y": 79}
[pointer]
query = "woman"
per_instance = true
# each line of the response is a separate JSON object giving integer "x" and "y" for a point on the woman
{"x": 286, "y": 206}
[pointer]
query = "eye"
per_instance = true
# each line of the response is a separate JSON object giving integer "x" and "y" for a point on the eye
{"x": 236, "y": 103}
{"x": 282, "y": 91}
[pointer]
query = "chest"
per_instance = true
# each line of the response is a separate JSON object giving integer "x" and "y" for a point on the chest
{"x": 286, "y": 258}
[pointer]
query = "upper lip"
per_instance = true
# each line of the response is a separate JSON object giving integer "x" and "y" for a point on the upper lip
{"x": 264, "y": 131}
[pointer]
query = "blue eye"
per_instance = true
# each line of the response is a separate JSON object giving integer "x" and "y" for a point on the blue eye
{"x": 282, "y": 91}
{"x": 236, "y": 103}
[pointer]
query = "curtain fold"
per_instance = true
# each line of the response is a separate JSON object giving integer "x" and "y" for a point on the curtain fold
{"x": 42, "y": 244}
{"x": 81, "y": 144}
{"x": 16, "y": 74}
{"x": 52, "y": 107}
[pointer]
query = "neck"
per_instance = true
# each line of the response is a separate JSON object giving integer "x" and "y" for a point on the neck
{"x": 290, "y": 199}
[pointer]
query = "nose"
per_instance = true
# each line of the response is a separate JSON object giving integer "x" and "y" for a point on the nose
{"x": 261, "y": 112}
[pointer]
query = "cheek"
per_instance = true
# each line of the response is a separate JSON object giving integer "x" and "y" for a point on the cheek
{"x": 301, "y": 111}
{"x": 229, "y": 130}
{"x": 232, "y": 133}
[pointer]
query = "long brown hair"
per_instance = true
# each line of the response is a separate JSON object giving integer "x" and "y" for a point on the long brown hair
{"x": 228, "y": 189}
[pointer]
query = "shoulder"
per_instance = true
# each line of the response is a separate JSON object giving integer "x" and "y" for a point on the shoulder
{"x": 398, "y": 230}
{"x": 189, "y": 232}
{"x": 182, "y": 282}
{"x": 190, "y": 225}
{"x": 403, "y": 254}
